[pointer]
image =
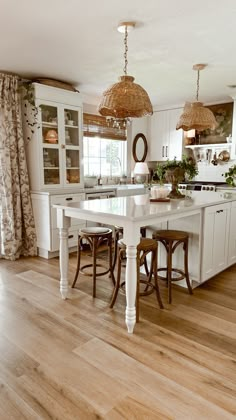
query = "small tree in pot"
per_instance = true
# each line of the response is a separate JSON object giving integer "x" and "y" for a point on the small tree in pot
{"x": 174, "y": 172}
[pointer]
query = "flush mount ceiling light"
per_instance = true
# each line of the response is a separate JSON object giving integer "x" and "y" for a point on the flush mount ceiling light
{"x": 125, "y": 99}
{"x": 195, "y": 115}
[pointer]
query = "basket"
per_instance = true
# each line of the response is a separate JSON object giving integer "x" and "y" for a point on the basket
{"x": 55, "y": 83}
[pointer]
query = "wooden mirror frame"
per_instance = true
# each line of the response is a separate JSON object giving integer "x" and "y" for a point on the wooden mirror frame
{"x": 137, "y": 137}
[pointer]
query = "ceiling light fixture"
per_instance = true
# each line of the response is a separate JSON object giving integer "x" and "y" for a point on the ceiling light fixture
{"x": 125, "y": 99}
{"x": 119, "y": 123}
{"x": 195, "y": 115}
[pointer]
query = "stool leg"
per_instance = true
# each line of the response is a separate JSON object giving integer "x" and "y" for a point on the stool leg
{"x": 94, "y": 255}
{"x": 116, "y": 239}
{"x": 111, "y": 274}
{"x": 169, "y": 271}
{"x": 78, "y": 262}
{"x": 186, "y": 267}
{"x": 117, "y": 285}
{"x": 154, "y": 265}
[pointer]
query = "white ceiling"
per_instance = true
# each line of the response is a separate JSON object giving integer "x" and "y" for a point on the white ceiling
{"x": 77, "y": 41}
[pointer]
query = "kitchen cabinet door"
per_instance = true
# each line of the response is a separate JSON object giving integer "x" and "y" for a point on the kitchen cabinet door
{"x": 165, "y": 140}
{"x": 215, "y": 240}
{"x": 232, "y": 235}
{"x": 158, "y": 136}
{"x": 175, "y": 148}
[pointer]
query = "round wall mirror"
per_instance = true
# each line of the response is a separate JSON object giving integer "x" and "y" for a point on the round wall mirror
{"x": 140, "y": 148}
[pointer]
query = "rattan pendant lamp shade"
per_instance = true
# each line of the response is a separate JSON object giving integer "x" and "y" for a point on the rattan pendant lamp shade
{"x": 195, "y": 115}
{"x": 125, "y": 99}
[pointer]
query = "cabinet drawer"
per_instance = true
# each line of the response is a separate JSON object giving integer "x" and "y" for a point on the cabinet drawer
{"x": 64, "y": 199}
{"x": 72, "y": 241}
{"x": 67, "y": 198}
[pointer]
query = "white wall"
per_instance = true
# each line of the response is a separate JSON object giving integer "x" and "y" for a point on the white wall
{"x": 211, "y": 173}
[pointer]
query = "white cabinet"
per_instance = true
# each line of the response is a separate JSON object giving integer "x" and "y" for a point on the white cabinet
{"x": 46, "y": 222}
{"x": 232, "y": 235}
{"x": 165, "y": 141}
{"x": 54, "y": 151}
{"x": 215, "y": 240}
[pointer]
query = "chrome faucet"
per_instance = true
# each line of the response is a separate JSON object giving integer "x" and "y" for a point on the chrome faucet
{"x": 112, "y": 160}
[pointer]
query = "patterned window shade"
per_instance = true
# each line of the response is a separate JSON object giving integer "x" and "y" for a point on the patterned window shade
{"x": 97, "y": 126}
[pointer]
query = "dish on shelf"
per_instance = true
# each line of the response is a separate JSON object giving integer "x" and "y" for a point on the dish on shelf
{"x": 224, "y": 156}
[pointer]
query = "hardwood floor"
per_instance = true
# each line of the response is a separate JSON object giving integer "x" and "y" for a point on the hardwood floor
{"x": 74, "y": 359}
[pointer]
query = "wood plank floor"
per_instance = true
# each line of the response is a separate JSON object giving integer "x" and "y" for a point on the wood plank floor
{"x": 74, "y": 359}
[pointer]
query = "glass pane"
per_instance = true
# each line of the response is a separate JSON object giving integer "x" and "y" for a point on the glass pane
{"x": 51, "y": 166}
{"x": 49, "y": 124}
{"x": 49, "y": 114}
{"x": 72, "y": 176}
{"x": 71, "y": 118}
{"x": 50, "y": 135}
{"x": 72, "y": 167}
{"x": 72, "y": 136}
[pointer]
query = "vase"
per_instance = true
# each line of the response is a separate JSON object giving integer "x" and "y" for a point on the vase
{"x": 174, "y": 177}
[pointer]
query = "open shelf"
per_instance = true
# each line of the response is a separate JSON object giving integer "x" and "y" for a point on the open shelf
{"x": 208, "y": 146}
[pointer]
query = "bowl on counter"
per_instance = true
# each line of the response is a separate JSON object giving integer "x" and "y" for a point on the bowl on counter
{"x": 90, "y": 181}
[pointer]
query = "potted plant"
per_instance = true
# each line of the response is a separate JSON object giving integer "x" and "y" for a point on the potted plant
{"x": 174, "y": 172}
{"x": 230, "y": 176}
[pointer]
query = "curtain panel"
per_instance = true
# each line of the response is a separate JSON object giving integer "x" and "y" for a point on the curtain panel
{"x": 17, "y": 229}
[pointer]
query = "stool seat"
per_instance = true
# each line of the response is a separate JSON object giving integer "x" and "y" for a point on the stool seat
{"x": 95, "y": 236}
{"x": 171, "y": 239}
{"x": 94, "y": 230}
{"x": 175, "y": 235}
{"x": 145, "y": 246}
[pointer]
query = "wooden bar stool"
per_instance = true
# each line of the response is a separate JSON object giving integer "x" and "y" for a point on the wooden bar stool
{"x": 171, "y": 239}
{"x": 95, "y": 236}
{"x": 145, "y": 246}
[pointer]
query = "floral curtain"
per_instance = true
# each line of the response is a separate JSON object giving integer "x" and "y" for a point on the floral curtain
{"x": 17, "y": 229}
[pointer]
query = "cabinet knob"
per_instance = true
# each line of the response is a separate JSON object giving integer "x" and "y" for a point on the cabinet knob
{"x": 63, "y": 146}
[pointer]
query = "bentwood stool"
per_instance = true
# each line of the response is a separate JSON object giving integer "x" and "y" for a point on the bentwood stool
{"x": 145, "y": 246}
{"x": 95, "y": 236}
{"x": 171, "y": 239}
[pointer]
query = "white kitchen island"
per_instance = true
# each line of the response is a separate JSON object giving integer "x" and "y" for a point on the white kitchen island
{"x": 131, "y": 213}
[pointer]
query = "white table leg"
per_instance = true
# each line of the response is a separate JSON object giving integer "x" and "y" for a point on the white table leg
{"x": 63, "y": 223}
{"x": 64, "y": 261}
{"x": 131, "y": 286}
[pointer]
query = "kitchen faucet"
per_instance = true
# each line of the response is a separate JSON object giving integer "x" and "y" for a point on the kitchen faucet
{"x": 112, "y": 160}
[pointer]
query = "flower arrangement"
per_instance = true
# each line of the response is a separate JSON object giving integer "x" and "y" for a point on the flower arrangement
{"x": 187, "y": 164}
{"x": 174, "y": 171}
{"x": 230, "y": 176}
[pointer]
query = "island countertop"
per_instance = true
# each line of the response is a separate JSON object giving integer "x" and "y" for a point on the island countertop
{"x": 139, "y": 208}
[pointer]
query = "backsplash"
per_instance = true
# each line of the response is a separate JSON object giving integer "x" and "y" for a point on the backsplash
{"x": 213, "y": 173}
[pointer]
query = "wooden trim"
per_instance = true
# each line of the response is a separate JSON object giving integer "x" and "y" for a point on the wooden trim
{"x": 145, "y": 147}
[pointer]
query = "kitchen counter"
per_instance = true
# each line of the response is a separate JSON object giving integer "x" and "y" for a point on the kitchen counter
{"x": 96, "y": 188}
{"x": 132, "y": 213}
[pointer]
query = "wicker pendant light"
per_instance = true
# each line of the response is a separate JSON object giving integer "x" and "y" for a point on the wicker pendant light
{"x": 125, "y": 99}
{"x": 195, "y": 115}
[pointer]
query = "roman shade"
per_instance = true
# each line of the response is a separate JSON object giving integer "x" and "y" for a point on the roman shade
{"x": 97, "y": 126}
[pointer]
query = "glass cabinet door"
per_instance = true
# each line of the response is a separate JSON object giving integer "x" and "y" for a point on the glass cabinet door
{"x": 50, "y": 141}
{"x": 72, "y": 141}
{"x": 60, "y": 140}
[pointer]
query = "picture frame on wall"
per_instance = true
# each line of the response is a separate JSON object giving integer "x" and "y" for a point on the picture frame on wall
{"x": 224, "y": 117}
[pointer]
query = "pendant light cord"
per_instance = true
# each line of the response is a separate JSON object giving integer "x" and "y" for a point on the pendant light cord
{"x": 126, "y": 50}
{"x": 198, "y": 78}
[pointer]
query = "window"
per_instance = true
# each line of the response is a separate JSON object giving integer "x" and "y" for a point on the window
{"x": 104, "y": 148}
{"x": 104, "y": 157}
